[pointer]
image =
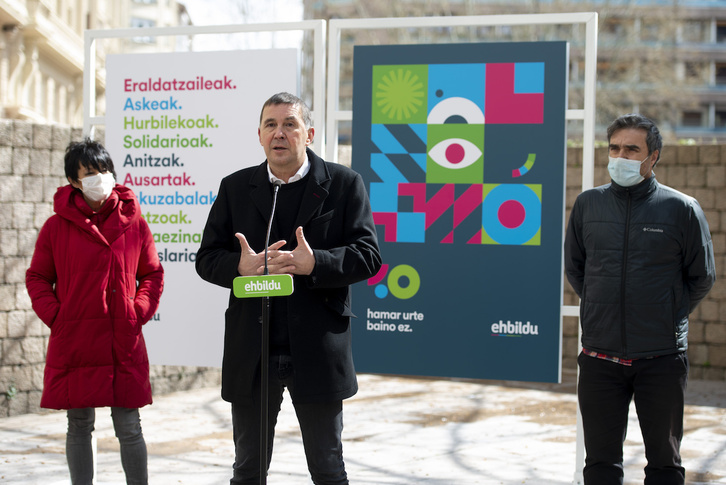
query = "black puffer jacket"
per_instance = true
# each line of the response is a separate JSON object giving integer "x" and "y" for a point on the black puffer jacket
{"x": 641, "y": 259}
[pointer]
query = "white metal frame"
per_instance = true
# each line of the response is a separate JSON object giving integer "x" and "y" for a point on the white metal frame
{"x": 90, "y": 118}
{"x": 318, "y": 27}
{"x": 586, "y": 113}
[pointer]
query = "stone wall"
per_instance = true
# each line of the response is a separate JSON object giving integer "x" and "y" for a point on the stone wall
{"x": 699, "y": 171}
{"x": 31, "y": 169}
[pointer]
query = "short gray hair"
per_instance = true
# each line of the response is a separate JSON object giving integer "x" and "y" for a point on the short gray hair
{"x": 634, "y": 120}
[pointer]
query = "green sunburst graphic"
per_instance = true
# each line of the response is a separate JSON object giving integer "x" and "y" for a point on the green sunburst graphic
{"x": 400, "y": 94}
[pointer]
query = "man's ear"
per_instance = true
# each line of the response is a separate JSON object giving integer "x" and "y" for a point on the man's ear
{"x": 655, "y": 158}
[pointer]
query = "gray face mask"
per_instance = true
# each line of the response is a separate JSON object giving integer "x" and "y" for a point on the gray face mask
{"x": 624, "y": 172}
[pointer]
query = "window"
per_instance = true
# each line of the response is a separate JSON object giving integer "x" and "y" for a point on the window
{"x": 721, "y": 32}
{"x": 721, "y": 117}
{"x": 649, "y": 31}
{"x": 503, "y": 31}
{"x": 693, "y": 119}
{"x": 721, "y": 73}
{"x": 695, "y": 31}
{"x": 613, "y": 30}
{"x": 139, "y": 23}
{"x": 614, "y": 72}
{"x": 655, "y": 112}
{"x": 695, "y": 72}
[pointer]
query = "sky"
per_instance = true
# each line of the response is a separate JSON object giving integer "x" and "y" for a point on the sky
{"x": 227, "y": 12}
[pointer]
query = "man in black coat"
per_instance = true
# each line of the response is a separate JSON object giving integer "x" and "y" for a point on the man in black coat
{"x": 325, "y": 237}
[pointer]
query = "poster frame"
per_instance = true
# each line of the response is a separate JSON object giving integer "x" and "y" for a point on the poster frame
{"x": 585, "y": 114}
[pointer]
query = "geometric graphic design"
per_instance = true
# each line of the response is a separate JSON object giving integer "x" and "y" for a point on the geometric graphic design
{"x": 526, "y": 167}
{"x": 378, "y": 277}
{"x": 449, "y": 210}
{"x": 467, "y": 215}
{"x": 385, "y": 141}
{"x": 396, "y": 139}
{"x": 455, "y": 154}
{"x": 424, "y": 211}
{"x": 431, "y": 207}
{"x": 399, "y": 94}
{"x": 456, "y": 110}
{"x": 456, "y": 93}
{"x": 389, "y": 223}
{"x": 514, "y": 93}
{"x": 428, "y": 124}
{"x": 411, "y": 227}
{"x": 381, "y": 291}
{"x": 407, "y": 273}
{"x": 529, "y": 77}
{"x": 402, "y": 272}
{"x": 384, "y": 195}
{"x": 461, "y": 147}
{"x": 512, "y": 214}
{"x": 405, "y": 146}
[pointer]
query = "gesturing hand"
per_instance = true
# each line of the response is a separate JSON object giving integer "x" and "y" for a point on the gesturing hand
{"x": 251, "y": 263}
{"x": 300, "y": 261}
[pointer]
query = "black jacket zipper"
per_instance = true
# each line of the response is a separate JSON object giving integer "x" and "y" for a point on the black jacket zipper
{"x": 623, "y": 276}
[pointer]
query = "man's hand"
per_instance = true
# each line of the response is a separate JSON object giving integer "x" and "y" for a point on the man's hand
{"x": 300, "y": 261}
{"x": 251, "y": 263}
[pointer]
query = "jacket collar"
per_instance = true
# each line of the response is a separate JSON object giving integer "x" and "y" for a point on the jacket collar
{"x": 118, "y": 213}
{"x": 640, "y": 190}
{"x": 313, "y": 197}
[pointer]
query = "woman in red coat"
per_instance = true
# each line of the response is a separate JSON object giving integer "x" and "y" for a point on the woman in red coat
{"x": 95, "y": 279}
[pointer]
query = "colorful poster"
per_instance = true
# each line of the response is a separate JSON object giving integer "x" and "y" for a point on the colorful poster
{"x": 176, "y": 124}
{"x": 463, "y": 151}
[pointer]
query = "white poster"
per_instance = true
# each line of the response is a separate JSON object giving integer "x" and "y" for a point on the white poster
{"x": 176, "y": 123}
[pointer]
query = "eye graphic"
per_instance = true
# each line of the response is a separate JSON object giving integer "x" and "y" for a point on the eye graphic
{"x": 455, "y": 153}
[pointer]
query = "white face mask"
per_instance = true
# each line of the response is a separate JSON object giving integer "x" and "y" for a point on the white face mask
{"x": 624, "y": 172}
{"x": 98, "y": 187}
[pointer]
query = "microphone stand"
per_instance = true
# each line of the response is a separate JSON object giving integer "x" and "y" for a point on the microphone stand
{"x": 265, "y": 358}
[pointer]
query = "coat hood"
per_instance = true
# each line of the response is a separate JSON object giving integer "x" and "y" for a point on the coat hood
{"x": 120, "y": 211}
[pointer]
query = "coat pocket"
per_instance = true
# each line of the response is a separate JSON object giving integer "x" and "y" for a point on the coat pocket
{"x": 337, "y": 300}
{"x": 317, "y": 232}
{"x": 323, "y": 218}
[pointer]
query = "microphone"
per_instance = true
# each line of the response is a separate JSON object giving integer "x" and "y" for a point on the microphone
{"x": 265, "y": 355}
{"x": 276, "y": 184}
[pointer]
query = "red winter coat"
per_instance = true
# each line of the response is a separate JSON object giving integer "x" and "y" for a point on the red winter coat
{"x": 95, "y": 279}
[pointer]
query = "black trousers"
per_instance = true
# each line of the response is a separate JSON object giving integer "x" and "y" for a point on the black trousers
{"x": 321, "y": 425}
{"x": 604, "y": 392}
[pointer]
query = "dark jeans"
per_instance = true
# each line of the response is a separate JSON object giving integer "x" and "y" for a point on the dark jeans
{"x": 321, "y": 425}
{"x": 605, "y": 390}
{"x": 79, "y": 452}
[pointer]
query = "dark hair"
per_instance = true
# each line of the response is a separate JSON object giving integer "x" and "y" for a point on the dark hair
{"x": 634, "y": 120}
{"x": 287, "y": 98}
{"x": 90, "y": 154}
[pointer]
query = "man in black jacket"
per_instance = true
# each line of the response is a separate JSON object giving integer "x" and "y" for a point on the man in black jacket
{"x": 325, "y": 237}
{"x": 640, "y": 257}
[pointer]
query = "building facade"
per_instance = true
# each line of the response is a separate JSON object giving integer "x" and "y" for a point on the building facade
{"x": 41, "y": 51}
{"x": 663, "y": 58}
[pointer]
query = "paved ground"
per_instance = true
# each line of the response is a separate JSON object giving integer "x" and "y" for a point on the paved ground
{"x": 398, "y": 431}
